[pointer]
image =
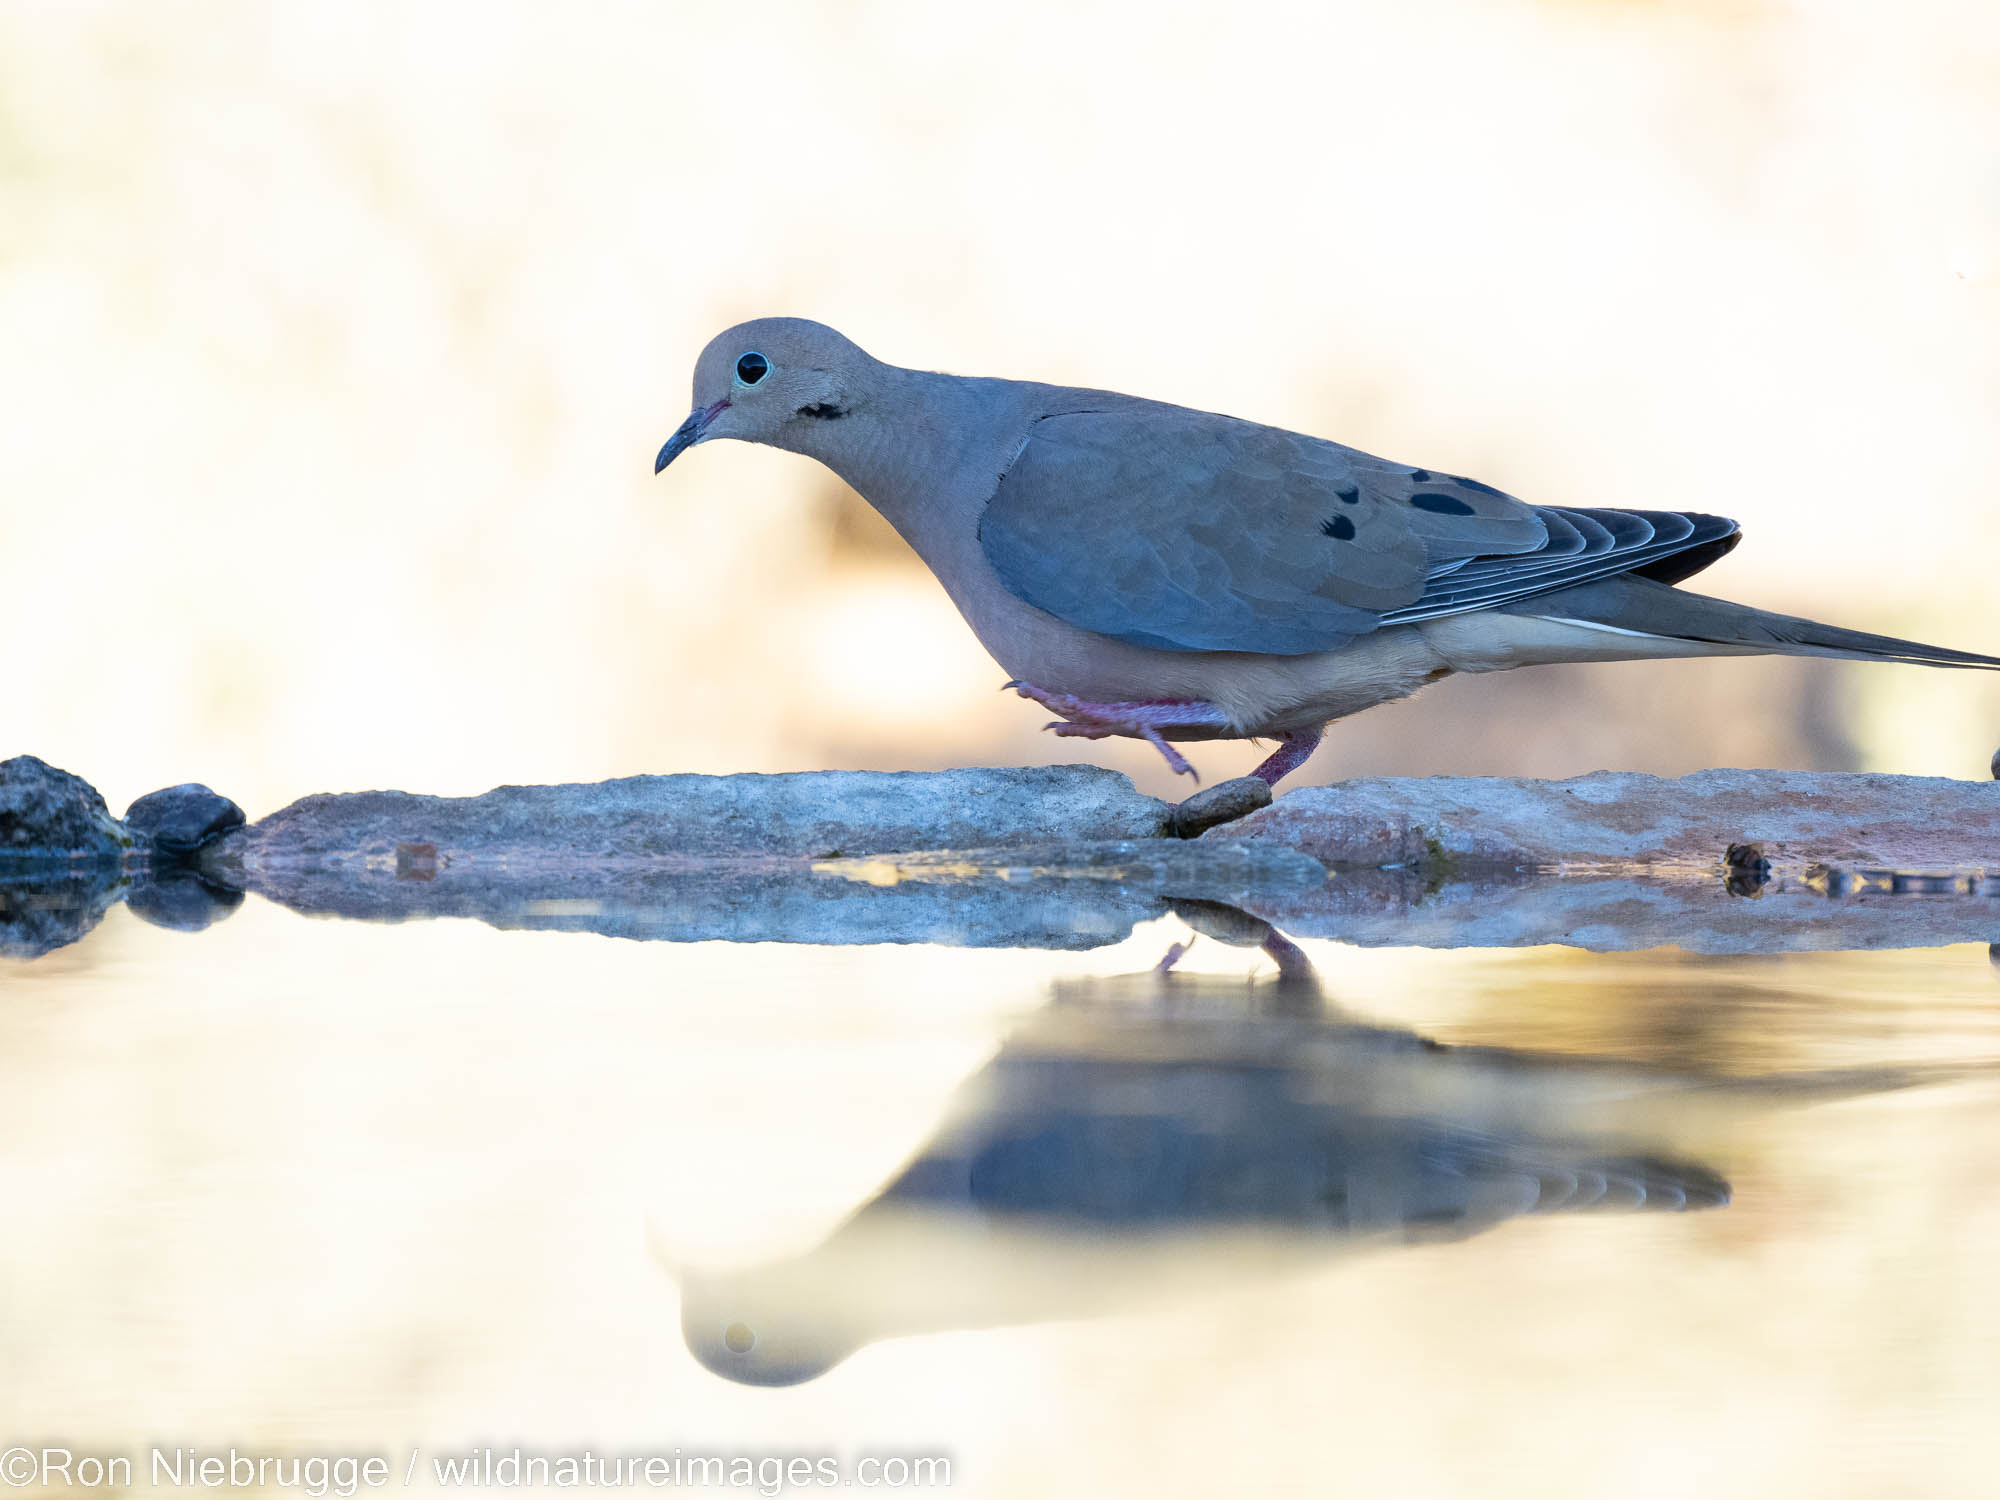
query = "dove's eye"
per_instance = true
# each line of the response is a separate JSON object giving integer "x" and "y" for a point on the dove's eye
{"x": 752, "y": 367}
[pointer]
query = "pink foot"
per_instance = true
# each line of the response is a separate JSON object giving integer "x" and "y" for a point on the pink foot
{"x": 1064, "y": 729}
{"x": 1293, "y": 751}
{"x": 1151, "y": 722}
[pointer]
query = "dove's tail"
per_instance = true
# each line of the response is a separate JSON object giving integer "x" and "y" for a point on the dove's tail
{"x": 1641, "y": 607}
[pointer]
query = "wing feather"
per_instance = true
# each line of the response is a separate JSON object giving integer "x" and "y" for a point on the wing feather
{"x": 1188, "y": 531}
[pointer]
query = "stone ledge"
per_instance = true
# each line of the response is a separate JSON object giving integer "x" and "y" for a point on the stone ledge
{"x": 1623, "y": 819}
{"x": 674, "y": 819}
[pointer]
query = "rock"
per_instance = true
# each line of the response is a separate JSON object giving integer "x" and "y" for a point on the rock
{"x": 177, "y": 820}
{"x": 654, "y": 819}
{"x": 1749, "y": 871}
{"x": 1224, "y": 802}
{"x": 1621, "y": 818}
{"x": 50, "y": 814}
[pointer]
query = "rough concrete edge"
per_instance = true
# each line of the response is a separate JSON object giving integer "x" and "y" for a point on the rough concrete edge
{"x": 898, "y": 797}
{"x": 1422, "y": 841}
{"x": 1423, "y": 851}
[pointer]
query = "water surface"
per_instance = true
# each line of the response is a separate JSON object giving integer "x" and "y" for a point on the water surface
{"x": 1310, "y": 1218}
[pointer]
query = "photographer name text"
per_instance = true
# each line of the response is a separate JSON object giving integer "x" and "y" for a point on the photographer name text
{"x": 54, "y": 1467}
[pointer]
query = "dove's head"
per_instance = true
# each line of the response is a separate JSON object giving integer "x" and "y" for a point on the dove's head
{"x": 779, "y": 381}
{"x": 765, "y": 1327}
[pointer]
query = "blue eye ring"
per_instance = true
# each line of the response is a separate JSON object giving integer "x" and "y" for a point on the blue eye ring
{"x": 751, "y": 367}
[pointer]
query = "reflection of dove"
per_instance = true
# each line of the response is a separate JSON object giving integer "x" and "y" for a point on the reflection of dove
{"x": 1112, "y": 1154}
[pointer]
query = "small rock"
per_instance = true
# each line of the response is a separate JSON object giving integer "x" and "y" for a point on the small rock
{"x": 180, "y": 819}
{"x": 1224, "y": 802}
{"x": 1749, "y": 871}
{"x": 46, "y": 813}
{"x": 1995, "y": 767}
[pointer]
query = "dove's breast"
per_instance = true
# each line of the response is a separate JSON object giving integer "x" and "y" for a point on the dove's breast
{"x": 932, "y": 475}
{"x": 1261, "y": 694}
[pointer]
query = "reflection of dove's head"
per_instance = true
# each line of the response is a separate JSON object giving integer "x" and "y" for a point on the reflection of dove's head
{"x": 753, "y": 1331}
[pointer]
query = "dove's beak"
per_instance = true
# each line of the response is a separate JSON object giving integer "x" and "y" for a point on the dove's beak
{"x": 687, "y": 434}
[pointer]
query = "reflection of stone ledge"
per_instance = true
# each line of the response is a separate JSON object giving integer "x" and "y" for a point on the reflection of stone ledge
{"x": 1609, "y": 910}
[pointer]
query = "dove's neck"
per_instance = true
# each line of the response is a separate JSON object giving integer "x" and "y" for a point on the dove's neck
{"x": 926, "y": 449}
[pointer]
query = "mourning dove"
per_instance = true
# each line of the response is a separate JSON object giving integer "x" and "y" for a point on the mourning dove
{"x": 1148, "y": 570}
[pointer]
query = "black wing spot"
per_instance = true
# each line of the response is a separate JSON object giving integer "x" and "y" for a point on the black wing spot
{"x": 1349, "y": 496}
{"x": 1442, "y": 505}
{"x": 824, "y": 410}
{"x": 1340, "y": 528}
{"x": 1484, "y": 489}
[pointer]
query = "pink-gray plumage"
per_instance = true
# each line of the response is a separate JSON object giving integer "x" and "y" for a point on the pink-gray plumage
{"x": 1147, "y": 570}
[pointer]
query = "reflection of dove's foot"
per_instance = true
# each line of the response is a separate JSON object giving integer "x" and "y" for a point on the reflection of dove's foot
{"x": 1287, "y": 955}
{"x": 1154, "y": 723}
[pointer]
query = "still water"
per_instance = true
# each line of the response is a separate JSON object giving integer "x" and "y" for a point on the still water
{"x": 1179, "y": 1215}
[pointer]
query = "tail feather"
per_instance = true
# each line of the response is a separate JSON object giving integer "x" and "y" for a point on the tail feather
{"x": 1640, "y": 605}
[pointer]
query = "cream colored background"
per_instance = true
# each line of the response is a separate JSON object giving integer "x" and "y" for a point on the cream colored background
{"x": 336, "y": 341}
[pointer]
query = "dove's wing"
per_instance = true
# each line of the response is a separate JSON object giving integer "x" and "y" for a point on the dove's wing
{"x": 1188, "y": 531}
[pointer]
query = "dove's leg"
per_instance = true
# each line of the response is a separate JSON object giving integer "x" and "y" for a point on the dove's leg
{"x": 1293, "y": 751}
{"x": 1154, "y": 723}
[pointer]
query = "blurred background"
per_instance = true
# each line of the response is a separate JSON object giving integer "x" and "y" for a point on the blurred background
{"x": 336, "y": 342}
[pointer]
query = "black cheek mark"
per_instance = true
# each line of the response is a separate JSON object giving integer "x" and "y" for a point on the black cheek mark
{"x": 1442, "y": 505}
{"x": 825, "y": 411}
{"x": 1484, "y": 489}
{"x": 1339, "y": 528}
{"x": 1350, "y": 495}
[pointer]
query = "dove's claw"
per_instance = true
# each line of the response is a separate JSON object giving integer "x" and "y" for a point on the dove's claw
{"x": 1155, "y": 723}
{"x": 1177, "y": 761}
